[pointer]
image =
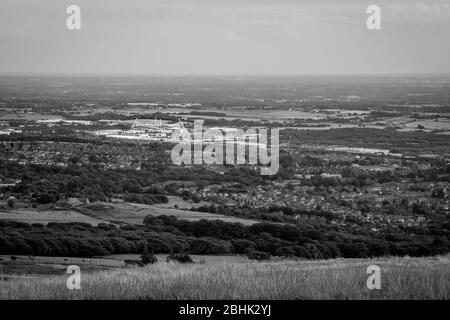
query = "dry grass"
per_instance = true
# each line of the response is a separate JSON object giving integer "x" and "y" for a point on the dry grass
{"x": 402, "y": 278}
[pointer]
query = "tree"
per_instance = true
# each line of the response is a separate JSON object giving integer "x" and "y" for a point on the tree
{"x": 196, "y": 198}
{"x": 243, "y": 246}
{"x": 285, "y": 252}
{"x": 11, "y": 202}
{"x": 438, "y": 193}
{"x": 147, "y": 257}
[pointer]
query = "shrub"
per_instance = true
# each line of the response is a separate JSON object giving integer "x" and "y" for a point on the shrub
{"x": 180, "y": 257}
{"x": 258, "y": 255}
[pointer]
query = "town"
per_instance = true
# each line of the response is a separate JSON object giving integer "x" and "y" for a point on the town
{"x": 354, "y": 178}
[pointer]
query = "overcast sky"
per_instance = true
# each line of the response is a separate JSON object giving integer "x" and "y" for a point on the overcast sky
{"x": 224, "y": 37}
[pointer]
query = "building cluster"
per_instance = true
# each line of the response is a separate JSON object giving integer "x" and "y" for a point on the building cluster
{"x": 62, "y": 154}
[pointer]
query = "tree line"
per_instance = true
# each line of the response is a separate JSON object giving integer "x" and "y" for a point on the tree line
{"x": 167, "y": 234}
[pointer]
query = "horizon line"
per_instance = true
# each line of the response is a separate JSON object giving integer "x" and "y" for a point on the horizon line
{"x": 120, "y": 74}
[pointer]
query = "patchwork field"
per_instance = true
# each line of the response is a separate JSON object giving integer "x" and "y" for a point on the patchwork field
{"x": 135, "y": 213}
{"x": 46, "y": 216}
{"x": 104, "y": 212}
{"x": 401, "y": 278}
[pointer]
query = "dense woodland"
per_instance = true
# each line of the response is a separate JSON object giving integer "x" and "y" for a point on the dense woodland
{"x": 165, "y": 234}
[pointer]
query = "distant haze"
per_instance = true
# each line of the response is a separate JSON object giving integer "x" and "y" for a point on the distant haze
{"x": 207, "y": 37}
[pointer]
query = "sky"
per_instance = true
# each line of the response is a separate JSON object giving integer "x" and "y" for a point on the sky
{"x": 220, "y": 37}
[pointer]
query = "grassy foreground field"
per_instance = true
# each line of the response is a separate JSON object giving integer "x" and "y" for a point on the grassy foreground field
{"x": 401, "y": 278}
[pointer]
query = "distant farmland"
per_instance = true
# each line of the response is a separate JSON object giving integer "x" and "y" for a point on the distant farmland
{"x": 104, "y": 212}
{"x": 29, "y": 215}
{"x": 401, "y": 278}
{"x": 136, "y": 212}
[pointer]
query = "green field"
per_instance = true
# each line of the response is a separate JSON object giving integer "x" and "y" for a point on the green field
{"x": 401, "y": 278}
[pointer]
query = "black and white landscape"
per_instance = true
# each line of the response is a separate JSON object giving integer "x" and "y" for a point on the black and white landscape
{"x": 202, "y": 150}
